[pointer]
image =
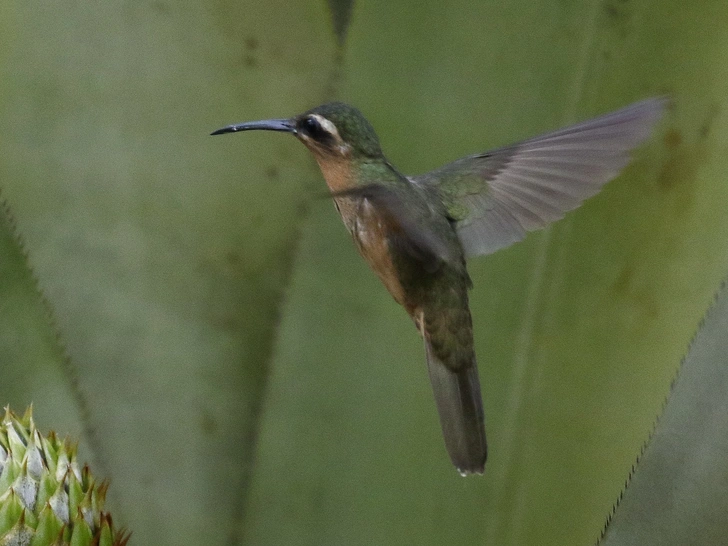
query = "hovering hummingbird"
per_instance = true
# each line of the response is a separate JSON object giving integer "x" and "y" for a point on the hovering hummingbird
{"x": 417, "y": 231}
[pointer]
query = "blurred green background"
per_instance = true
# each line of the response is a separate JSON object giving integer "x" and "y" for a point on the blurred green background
{"x": 194, "y": 312}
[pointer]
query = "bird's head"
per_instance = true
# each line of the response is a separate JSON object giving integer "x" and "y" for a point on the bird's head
{"x": 331, "y": 131}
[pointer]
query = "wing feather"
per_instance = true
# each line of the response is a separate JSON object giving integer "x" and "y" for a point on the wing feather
{"x": 496, "y": 197}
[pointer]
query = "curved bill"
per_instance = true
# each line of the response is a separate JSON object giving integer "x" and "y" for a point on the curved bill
{"x": 284, "y": 125}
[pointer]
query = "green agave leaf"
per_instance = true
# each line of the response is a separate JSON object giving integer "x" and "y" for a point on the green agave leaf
{"x": 32, "y": 361}
{"x": 677, "y": 494}
{"x": 577, "y": 328}
{"x": 164, "y": 252}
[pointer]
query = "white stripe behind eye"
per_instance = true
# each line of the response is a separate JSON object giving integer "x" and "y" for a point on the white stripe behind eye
{"x": 327, "y": 126}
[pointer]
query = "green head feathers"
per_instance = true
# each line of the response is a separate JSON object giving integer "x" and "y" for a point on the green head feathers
{"x": 346, "y": 122}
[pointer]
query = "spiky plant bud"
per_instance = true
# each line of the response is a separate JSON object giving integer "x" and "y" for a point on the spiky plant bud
{"x": 45, "y": 498}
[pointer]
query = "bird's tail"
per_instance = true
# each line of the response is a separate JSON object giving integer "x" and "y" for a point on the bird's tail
{"x": 459, "y": 403}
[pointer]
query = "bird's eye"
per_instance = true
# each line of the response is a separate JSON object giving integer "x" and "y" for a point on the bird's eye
{"x": 312, "y": 126}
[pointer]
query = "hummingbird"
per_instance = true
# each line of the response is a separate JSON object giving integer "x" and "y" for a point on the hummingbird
{"x": 416, "y": 232}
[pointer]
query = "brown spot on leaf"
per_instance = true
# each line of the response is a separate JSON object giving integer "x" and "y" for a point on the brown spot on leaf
{"x": 250, "y": 61}
{"x": 341, "y": 11}
{"x": 617, "y": 11}
{"x": 673, "y": 138}
{"x": 233, "y": 258}
{"x": 679, "y": 176}
{"x": 271, "y": 172}
{"x": 611, "y": 11}
{"x": 707, "y": 124}
{"x": 160, "y": 7}
{"x": 618, "y": 16}
{"x": 647, "y": 304}
{"x": 624, "y": 281}
{"x": 226, "y": 323}
{"x": 208, "y": 424}
{"x": 248, "y": 58}
{"x": 681, "y": 167}
{"x": 668, "y": 178}
{"x": 639, "y": 296}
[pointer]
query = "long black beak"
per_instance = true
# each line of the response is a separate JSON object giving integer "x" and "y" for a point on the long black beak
{"x": 285, "y": 125}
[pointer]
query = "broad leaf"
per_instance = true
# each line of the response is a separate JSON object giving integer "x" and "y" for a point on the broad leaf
{"x": 163, "y": 251}
{"x": 678, "y": 494}
{"x": 32, "y": 359}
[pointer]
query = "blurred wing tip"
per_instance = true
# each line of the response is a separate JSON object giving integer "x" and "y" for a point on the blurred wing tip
{"x": 665, "y": 100}
{"x": 646, "y": 114}
{"x": 654, "y": 108}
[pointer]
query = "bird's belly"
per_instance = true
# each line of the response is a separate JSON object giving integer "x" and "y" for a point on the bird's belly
{"x": 371, "y": 237}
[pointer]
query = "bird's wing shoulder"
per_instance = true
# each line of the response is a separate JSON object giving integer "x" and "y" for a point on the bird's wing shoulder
{"x": 408, "y": 217}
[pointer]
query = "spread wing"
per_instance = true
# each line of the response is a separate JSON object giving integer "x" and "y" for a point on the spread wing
{"x": 497, "y": 196}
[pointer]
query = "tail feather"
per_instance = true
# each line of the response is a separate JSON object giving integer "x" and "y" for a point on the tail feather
{"x": 460, "y": 405}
